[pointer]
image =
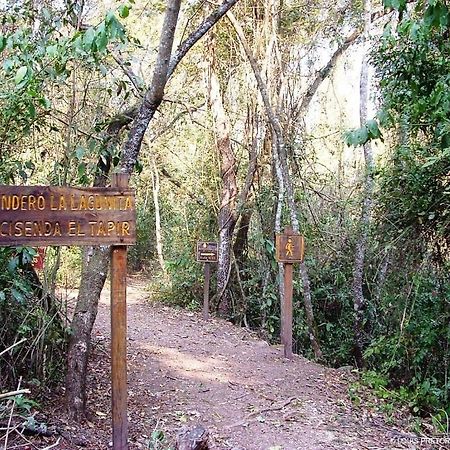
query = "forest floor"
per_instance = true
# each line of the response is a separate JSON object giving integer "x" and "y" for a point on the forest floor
{"x": 185, "y": 371}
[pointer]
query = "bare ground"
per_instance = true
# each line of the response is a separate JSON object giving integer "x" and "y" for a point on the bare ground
{"x": 185, "y": 371}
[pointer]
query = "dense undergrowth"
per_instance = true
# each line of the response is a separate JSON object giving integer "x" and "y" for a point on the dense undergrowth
{"x": 33, "y": 333}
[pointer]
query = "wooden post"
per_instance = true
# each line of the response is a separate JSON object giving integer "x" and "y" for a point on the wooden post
{"x": 287, "y": 310}
{"x": 206, "y": 291}
{"x": 119, "y": 336}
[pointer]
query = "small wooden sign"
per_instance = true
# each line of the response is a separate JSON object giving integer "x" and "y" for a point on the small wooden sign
{"x": 207, "y": 252}
{"x": 47, "y": 215}
{"x": 290, "y": 247}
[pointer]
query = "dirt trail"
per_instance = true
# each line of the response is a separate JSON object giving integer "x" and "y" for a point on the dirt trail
{"x": 184, "y": 371}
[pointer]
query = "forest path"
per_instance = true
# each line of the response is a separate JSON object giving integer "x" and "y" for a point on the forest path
{"x": 183, "y": 371}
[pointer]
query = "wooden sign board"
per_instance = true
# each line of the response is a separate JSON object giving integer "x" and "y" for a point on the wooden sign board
{"x": 207, "y": 252}
{"x": 290, "y": 247}
{"x": 47, "y": 215}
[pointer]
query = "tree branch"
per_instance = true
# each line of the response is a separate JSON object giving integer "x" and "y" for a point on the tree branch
{"x": 201, "y": 30}
{"x": 180, "y": 186}
{"x": 135, "y": 80}
{"x": 323, "y": 73}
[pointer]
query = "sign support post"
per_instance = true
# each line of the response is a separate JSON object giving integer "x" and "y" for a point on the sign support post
{"x": 119, "y": 336}
{"x": 289, "y": 250}
{"x": 287, "y": 311}
{"x": 206, "y": 291}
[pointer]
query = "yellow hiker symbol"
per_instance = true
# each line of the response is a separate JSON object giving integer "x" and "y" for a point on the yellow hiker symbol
{"x": 289, "y": 247}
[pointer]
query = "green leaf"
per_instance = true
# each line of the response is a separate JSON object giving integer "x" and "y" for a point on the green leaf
{"x": 88, "y": 38}
{"x": 124, "y": 11}
{"x": 101, "y": 41}
{"x": 79, "y": 152}
{"x": 2, "y": 43}
{"x": 28, "y": 254}
{"x": 373, "y": 129}
{"x": 12, "y": 264}
{"x": 138, "y": 167}
{"x": 357, "y": 137}
{"x": 114, "y": 27}
{"x": 361, "y": 135}
{"x": 23, "y": 175}
{"x": 81, "y": 170}
{"x": 32, "y": 111}
{"x": 46, "y": 14}
{"x": 8, "y": 65}
{"x": 103, "y": 69}
{"x": 20, "y": 74}
{"x": 52, "y": 51}
{"x": 45, "y": 102}
{"x": 17, "y": 295}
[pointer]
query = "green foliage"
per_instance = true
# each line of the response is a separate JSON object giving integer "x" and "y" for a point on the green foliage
{"x": 399, "y": 5}
{"x": 413, "y": 356}
{"x": 333, "y": 308}
{"x": 366, "y": 133}
{"x": 24, "y": 404}
{"x": 141, "y": 255}
{"x": 181, "y": 229}
{"x": 158, "y": 441}
{"x": 413, "y": 63}
{"x": 262, "y": 308}
{"x": 408, "y": 338}
{"x": 69, "y": 270}
{"x": 40, "y": 51}
{"x": 185, "y": 288}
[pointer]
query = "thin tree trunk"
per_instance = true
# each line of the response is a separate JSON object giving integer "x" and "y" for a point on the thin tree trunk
{"x": 364, "y": 222}
{"x": 278, "y": 213}
{"x": 155, "y": 190}
{"x": 228, "y": 169}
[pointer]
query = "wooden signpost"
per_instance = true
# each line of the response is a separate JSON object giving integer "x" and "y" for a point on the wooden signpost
{"x": 290, "y": 248}
{"x": 206, "y": 253}
{"x": 46, "y": 215}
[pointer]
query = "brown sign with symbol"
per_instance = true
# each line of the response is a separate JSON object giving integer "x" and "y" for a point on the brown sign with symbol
{"x": 290, "y": 247}
{"x": 207, "y": 251}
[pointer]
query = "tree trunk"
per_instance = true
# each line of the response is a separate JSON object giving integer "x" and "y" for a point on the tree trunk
{"x": 364, "y": 222}
{"x": 228, "y": 169}
{"x": 93, "y": 276}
